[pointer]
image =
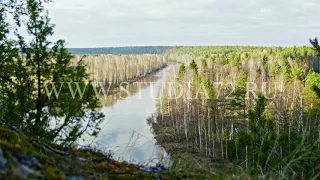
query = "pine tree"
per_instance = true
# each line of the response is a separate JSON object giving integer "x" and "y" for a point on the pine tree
{"x": 236, "y": 60}
{"x": 7, "y": 65}
{"x": 261, "y": 136}
{"x": 275, "y": 69}
{"x": 182, "y": 71}
{"x": 240, "y": 91}
{"x": 298, "y": 73}
{"x": 312, "y": 83}
{"x": 315, "y": 43}
{"x": 193, "y": 66}
{"x": 41, "y": 67}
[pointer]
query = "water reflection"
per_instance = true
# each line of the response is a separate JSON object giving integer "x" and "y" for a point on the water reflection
{"x": 128, "y": 89}
{"x": 125, "y": 130}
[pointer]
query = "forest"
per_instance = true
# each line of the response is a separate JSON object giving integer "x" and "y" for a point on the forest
{"x": 121, "y": 50}
{"x": 222, "y": 112}
{"x": 114, "y": 69}
{"x": 254, "y": 108}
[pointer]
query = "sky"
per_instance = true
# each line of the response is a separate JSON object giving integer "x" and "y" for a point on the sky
{"x": 112, "y": 23}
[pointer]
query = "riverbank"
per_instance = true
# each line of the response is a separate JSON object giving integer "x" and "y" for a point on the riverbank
{"x": 22, "y": 157}
{"x": 125, "y": 130}
{"x": 112, "y": 89}
{"x": 187, "y": 157}
{"x": 112, "y": 92}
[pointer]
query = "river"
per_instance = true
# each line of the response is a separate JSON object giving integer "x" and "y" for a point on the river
{"x": 125, "y": 131}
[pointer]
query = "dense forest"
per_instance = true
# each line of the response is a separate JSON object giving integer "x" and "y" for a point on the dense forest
{"x": 121, "y": 50}
{"x": 249, "y": 107}
{"x": 114, "y": 69}
{"x": 234, "y": 112}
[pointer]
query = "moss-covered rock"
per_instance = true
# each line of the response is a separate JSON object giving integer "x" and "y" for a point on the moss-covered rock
{"x": 53, "y": 173}
{"x": 26, "y": 158}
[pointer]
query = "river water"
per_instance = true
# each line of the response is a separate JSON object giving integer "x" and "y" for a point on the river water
{"x": 125, "y": 130}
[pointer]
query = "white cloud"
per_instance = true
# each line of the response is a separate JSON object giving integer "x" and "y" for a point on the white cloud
{"x": 97, "y": 23}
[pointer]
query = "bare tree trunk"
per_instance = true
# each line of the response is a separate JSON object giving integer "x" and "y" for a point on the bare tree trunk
{"x": 222, "y": 131}
{"x": 217, "y": 128}
{"x": 301, "y": 115}
{"x": 246, "y": 156}
{"x": 38, "y": 103}
{"x": 185, "y": 120}
{"x": 232, "y": 123}
{"x": 209, "y": 131}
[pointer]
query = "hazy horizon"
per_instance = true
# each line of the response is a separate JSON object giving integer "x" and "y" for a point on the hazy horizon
{"x": 125, "y": 46}
{"x": 119, "y": 23}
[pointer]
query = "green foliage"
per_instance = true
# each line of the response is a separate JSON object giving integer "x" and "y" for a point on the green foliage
{"x": 262, "y": 134}
{"x": 204, "y": 66}
{"x": 236, "y": 60}
{"x": 182, "y": 71}
{"x": 196, "y": 80}
{"x": 258, "y": 122}
{"x": 213, "y": 58}
{"x": 313, "y": 79}
{"x": 193, "y": 66}
{"x": 270, "y": 153}
{"x": 224, "y": 60}
{"x": 208, "y": 88}
{"x": 273, "y": 140}
{"x": 52, "y": 173}
{"x": 240, "y": 91}
{"x": 196, "y": 86}
{"x": 244, "y": 139}
{"x": 274, "y": 69}
{"x": 298, "y": 73}
{"x": 315, "y": 43}
{"x": 36, "y": 69}
{"x": 309, "y": 95}
{"x": 286, "y": 68}
{"x": 265, "y": 60}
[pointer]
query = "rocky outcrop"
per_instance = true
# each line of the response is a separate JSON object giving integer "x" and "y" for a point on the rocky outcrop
{"x": 22, "y": 157}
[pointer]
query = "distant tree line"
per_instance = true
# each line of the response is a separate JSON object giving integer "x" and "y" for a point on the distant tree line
{"x": 121, "y": 50}
{"x": 115, "y": 69}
